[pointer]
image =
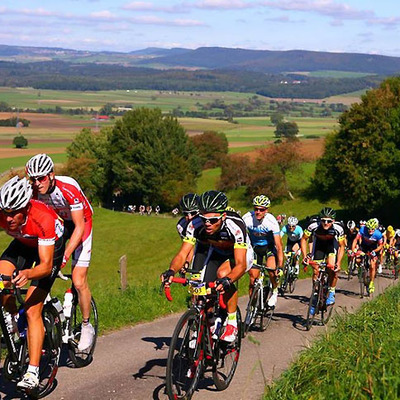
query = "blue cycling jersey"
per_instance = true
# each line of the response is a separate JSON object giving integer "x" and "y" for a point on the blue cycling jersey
{"x": 293, "y": 236}
{"x": 261, "y": 232}
{"x": 370, "y": 240}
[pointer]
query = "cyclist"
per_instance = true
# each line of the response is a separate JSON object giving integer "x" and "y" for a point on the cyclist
{"x": 223, "y": 252}
{"x": 64, "y": 195}
{"x": 189, "y": 205}
{"x": 266, "y": 240}
{"x": 382, "y": 229}
{"x": 369, "y": 240}
{"x": 294, "y": 234}
{"x": 328, "y": 244}
{"x": 38, "y": 239}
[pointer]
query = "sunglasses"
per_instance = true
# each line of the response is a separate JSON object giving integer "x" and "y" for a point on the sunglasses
{"x": 262, "y": 209}
{"x": 210, "y": 220}
{"x": 39, "y": 179}
{"x": 326, "y": 221}
{"x": 292, "y": 226}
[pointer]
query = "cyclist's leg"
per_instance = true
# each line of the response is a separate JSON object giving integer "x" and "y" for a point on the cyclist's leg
{"x": 80, "y": 267}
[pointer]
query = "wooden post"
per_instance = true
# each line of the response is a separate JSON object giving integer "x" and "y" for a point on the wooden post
{"x": 122, "y": 271}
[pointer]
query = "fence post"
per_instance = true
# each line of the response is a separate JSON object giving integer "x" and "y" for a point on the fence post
{"x": 122, "y": 272}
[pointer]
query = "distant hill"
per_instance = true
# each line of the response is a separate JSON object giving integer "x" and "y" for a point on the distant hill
{"x": 262, "y": 61}
{"x": 279, "y": 61}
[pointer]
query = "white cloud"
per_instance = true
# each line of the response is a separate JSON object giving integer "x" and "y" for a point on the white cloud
{"x": 223, "y": 4}
{"x": 41, "y": 12}
{"x": 153, "y": 20}
{"x": 103, "y": 15}
{"x": 324, "y": 7}
{"x": 147, "y": 6}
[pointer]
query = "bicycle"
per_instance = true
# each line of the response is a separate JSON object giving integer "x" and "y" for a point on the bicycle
{"x": 196, "y": 347}
{"x": 289, "y": 273}
{"x": 363, "y": 272}
{"x": 318, "y": 296}
{"x": 17, "y": 358}
{"x": 258, "y": 307}
{"x": 71, "y": 327}
{"x": 351, "y": 266}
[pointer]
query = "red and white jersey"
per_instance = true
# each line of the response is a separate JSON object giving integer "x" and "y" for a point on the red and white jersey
{"x": 67, "y": 196}
{"x": 41, "y": 227}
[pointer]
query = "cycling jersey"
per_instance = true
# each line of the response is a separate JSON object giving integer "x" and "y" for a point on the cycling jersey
{"x": 65, "y": 197}
{"x": 325, "y": 241}
{"x": 232, "y": 235}
{"x": 369, "y": 242}
{"x": 292, "y": 236}
{"x": 350, "y": 236}
{"x": 213, "y": 250}
{"x": 42, "y": 226}
{"x": 261, "y": 232}
{"x": 183, "y": 223}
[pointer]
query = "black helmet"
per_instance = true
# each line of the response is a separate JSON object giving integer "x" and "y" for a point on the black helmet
{"x": 190, "y": 203}
{"x": 327, "y": 212}
{"x": 213, "y": 201}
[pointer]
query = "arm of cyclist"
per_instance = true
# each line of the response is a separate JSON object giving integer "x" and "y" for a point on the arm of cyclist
{"x": 303, "y": 245}
{"x": 177, "y": 262}
{"x": 340, "y": 253}
{"x": 355, "y": 244}
{"x": 41, "y": 270}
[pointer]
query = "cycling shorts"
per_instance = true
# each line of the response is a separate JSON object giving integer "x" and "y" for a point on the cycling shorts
{"x": 23, "y": 257}
{"x": 207, "y": 260}
{"x": 323, "y": 249}
{"x": 264, "y": 251}
{"x": 82, "y": 254}
{"x": 290, "y": 244}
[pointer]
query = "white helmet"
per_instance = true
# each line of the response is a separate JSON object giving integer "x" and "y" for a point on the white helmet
{"x": 293, "y": 221}
{"x": 351, "y": 224}
{"x": 15, "y": 194}
{"x": 397, "y": 232}
{"x": 39, "y": 165}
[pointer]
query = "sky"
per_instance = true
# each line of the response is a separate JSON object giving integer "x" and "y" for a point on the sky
{"x": 361, "y": 26}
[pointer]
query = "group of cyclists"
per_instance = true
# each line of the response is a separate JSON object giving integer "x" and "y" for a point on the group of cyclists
{"x": 50, "y": 221}
{"x": 222, "y": 246}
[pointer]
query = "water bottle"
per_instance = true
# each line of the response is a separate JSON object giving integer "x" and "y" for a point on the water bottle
{"x": 22, "y": 322}
{"x": 58, "y": 306}
{"x": 217, "y": 327}
{"x": 68, "y": 296}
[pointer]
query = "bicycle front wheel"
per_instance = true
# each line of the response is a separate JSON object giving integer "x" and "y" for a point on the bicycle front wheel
{"x": 184, "y": 363}
{"x": 312, "y": 305}
{"x": 252, "y": 308}
{"x": 226, "y": 357}
{"x": 50, "y": 352}
{"x": 267, "y": 311}
{"x": 81, "y": 358}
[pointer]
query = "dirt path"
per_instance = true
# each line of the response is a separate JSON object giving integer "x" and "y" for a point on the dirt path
{"x": 130, "y": 364}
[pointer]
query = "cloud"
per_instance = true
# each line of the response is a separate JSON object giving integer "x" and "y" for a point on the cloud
{"x": 283, "y": 19}
{"x": 153, "y": 20}
{"x": 40, "y": 12}
{"x": 147, "y": 6}
{"x": 324, "y": 7}
{"x": 223, "y": 4}
{"x": 107, "y": 15}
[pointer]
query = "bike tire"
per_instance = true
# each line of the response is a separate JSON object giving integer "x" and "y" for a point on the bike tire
{"x": 267, "y": 312}
{"x": 251, "y": 310}
{"x": 50, "y": 352}
{"x": 350, "y": 269}
{"x": 313, "y": 302}
{"x": 284, "y": 284}
{"x": 81, "y": 358}
{"x": 326, "y": 311}
{"x": 226, "y": 356}
{"x": 361, "y": 279}
{"x": 182, "y": 358}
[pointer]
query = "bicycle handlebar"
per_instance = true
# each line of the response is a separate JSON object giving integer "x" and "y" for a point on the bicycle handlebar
{"x": 184, "y": 281}
{"x": 14, "y": 291}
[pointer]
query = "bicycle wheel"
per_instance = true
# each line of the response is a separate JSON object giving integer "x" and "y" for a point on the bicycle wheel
{"x": 313, "y": 303}
{"x": 50, "y": 352}
{"x": 361, "y": 279}
{"x": 81, "y": 358}
{"x": 292, "y": 278}
{"x": 185, "y": 357}
{"x": 350, "y": 269}
{"x": 226, "y": 356}
{"x": 284, "y": 283}
{"x": 267, "y": 311}
{"x": 326, "y": 311}
{"x": 252, "y": 308}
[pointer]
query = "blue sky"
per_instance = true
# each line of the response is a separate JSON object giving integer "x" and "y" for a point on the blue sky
{"x": 363, "y": 26}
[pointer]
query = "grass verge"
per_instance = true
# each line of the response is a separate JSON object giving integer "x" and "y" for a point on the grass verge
{"x": 358, "y": 359}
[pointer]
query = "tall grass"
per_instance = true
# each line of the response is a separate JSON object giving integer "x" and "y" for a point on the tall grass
{"x": 357, "y": 360}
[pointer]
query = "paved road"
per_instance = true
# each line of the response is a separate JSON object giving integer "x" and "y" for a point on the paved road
{"x": 130, "y": 364}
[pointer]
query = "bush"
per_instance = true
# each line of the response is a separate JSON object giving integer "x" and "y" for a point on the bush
{"x": 20, "y": 142}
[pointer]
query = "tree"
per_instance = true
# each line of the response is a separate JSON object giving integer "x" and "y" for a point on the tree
{"x": 361, "y": 162}
{"x": 211, "y": 148}
{"x": 276, "y": 118}
{"x": 235, "y": 172}
{"x": 20, "y": 142}
{"x": 287, "y": 130}
{"x": 150, "y": 158}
